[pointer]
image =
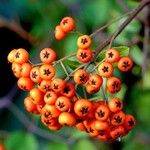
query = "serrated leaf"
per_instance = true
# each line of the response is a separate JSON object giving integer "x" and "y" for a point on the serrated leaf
{"x": 21, "y": 141}
{"x": 123, "y": 50}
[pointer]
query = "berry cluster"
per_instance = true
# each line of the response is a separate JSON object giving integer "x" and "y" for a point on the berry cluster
{"x": 56, "y": 99}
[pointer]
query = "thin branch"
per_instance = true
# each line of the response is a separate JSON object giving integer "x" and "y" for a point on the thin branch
{"x": 121, "y": 28}
{"x": 17, "y": 28}
{"x": 64, "y": 68}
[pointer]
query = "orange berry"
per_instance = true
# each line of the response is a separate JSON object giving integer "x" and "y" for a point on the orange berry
{"x": 82, "y": 107}
{"x": 117, "y": 132}
{"x": 105, "y": 69}
{"x": 117, "y": 118}
{"x": 80, "y": 126}
{"x": 57, "y": 85}
{"x": 48, "y": 121}
{"x": 11, "y": 55}
{"x": 66, "y": 118}
{"x": 2, "y": 147}
{"x": 30, "y": 106}
{"x": 21, "y": 56}
{"x": 25, "y": 84}
{"x": 100, "y": 125}
{"x": 125, "y": 63}
{"x": 102, "y": 112}
{"x": 129, "y": 122}
{"x": 25, "y": 69}
{"x": 63, "y": 103}
{"x": 84, "y": 55}
{"x": 68, "y": 90}
{"x": 36, "y": 95}
{"x": 50, "y": 111}
{"x": 112, "y": 55}
{"x": 16, "y": 68}
{"x": 91, "y": 90}
{"x": 81, "y": 76}
{"x": 115, "y": 105}
{"x": 113, "y": 84}
{"x": 50, "y": 97}
{"x": 35, "y": 75}
{"x": 47, "y": 55}
{"x": 45, "y": 85}
{"x": 95, "y": 80}
{"x": 56, "y": 127}
{"x": 67, "y": 24}
{"x": 47, "y": 72}
{"x": 84, "y": 42}
{"x": 59, "y": 33}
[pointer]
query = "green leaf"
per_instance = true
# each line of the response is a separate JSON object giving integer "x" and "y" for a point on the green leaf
{"x": 123, "y": 50}
{"x": 21, "y": 141}
{"x": 84, "y": 144}
{"x": 72, "y": 64}
{"x": 57, "y": 146}
{"x": 137, "y": 55}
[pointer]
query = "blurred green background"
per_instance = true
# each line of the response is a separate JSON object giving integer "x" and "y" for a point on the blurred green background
{"x": 30, "y": 24}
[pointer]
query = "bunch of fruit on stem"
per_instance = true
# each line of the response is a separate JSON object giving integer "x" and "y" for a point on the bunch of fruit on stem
{"x": 56, "y": 100}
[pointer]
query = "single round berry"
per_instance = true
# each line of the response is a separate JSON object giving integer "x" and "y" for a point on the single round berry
{"x": 11, "y": 55}
{"x": 21, "y": 56}
{"x": 35, "y": 75}
{"x": 125, "y": 63}
{"x": 59, "y": 33}
{"x": 129, "y": 122}
{"x": 47, "y": 55}
{"x": 105, "y": 69}
{"x": 112, "y": 55}
{"x": 67, "y": 24}
{"x": 115, "y": 105}
{"x": 25, "y": 69}
{"x": 84, "y": 55}
{"x": 113, "y": 84}
{"x": 84, "y": 42}
{"x": 81, "y": 76}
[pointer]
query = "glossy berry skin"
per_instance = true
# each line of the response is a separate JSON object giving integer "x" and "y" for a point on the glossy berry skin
{"x": 113, "y": 84}
{"x": 115, "y": 104}
{"x": 95, "y": 80}
{"x": 112, "y": 55}
{"x": 129, "y": 122}
{"x": 25, "y": 84}
{"x": 81, "y": 76}
{"x": 117, "y": 132}
{"x": 36, "y": 95}
{"x": 16, "y": 68}
{"x": 67, "y": 24}
{"x": 82, "y": 107}
{"x": 59, "y": 33}
{"x": 68, "y": 90}
{"x": 91, "y": 90}
{"x": 30, "y": 106}
{"x": 100, "y": 125}
{"x": 63, "y": 103}
{"x": 25, "y": 69}
{"x": 47, "y": 72}
{"x": 84, "y": 42}
{"x": 84, "y": 56}
{"x": 48, "y": 121}
{"x": 47, "y": 55}
{"x": 11, "y": 55}
{"x": 45, "y": 85}
{"x": 21, "y": 56}
{"x": 105, "y": 69}
{"x": 117, "y": 118}
{"x": 35, "y": 75}
{"x": 57, "y": 85}
{"x": 125, "y": 63}
{"x": 102, "y": 112}
{"x": 50, "y": 111}
{"x": 66, "y": 118}
{"x": 50, "y": 97}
